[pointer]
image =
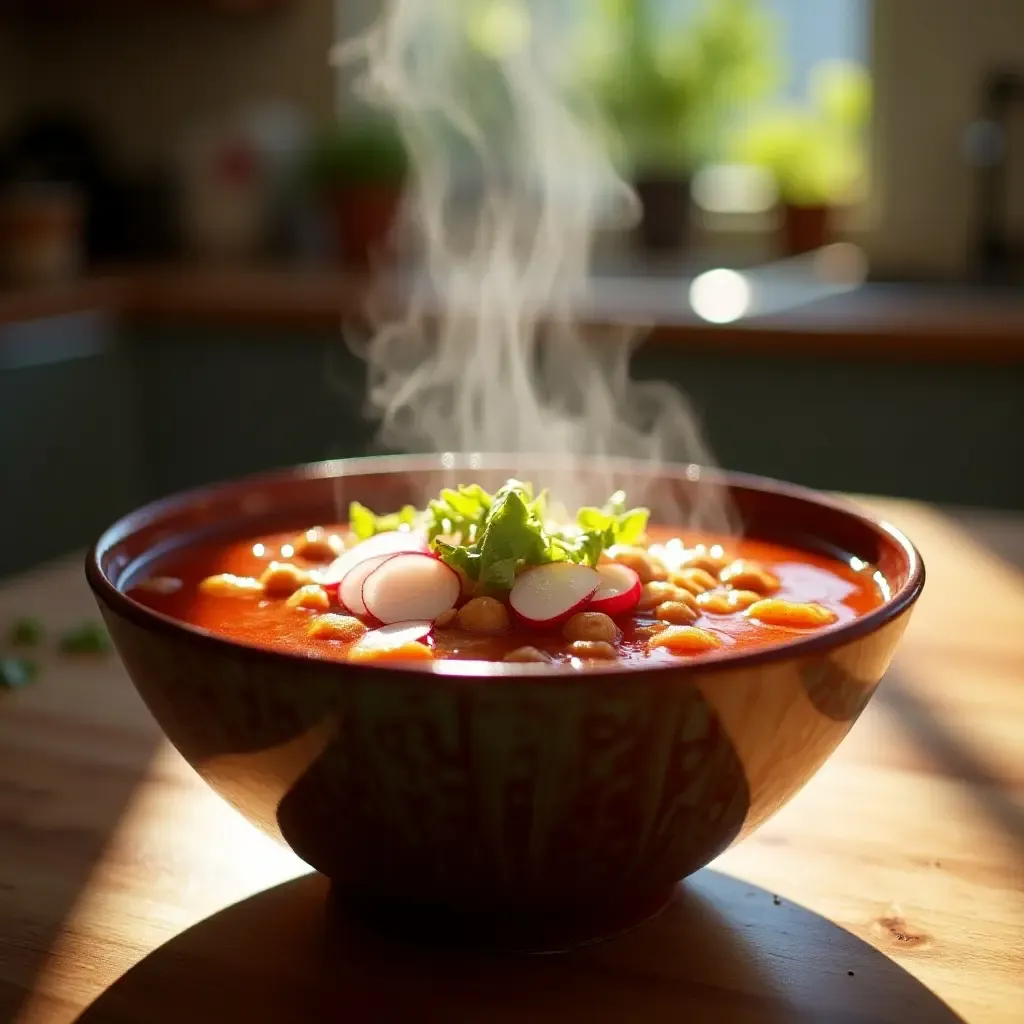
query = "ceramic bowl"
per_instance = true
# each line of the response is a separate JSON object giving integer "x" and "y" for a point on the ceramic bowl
{"x": 529, "y": 809}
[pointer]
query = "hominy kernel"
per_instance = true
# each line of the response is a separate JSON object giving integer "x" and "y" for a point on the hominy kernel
{"x": 725, "y": 602}
{"x": 410, "y": 651}
{"x": 593, "y": 650}
{"x": 651, "y": 629}
{"x": 162, "y": 585}
{"x": 317, "y": 545}
{"x": 696, "y": 581}
{"x": 227, "y": 585}
{"x": 527, "y": 654}
{"x": 745, "y": 575}
{"x": 676, "y": 612}
{"x": 446, "y": 619}
{"x": 312, "y": 597}
{"x": 656, "y": 593}
{"x": 644, "y": 564}
{"x": 483, "y": 615}
{"x": 590, "y": 626}
{"x": 280, "y": 579}
{"x": 337, "y": 627}
{"x": 711, "y": 560}
{"x": 776, "y": 612}
{"x": 686, "y": 640}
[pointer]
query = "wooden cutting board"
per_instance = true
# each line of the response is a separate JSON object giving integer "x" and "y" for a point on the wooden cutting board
{"x": 890, "y": 889}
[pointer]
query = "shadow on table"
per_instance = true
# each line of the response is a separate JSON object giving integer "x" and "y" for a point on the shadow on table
{"x": 723, "y": 951}
{"x": 953, "y": 753}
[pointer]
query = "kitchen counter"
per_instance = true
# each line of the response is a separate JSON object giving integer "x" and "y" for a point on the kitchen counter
{"x": 891, "y": 889}
{"x": 916, "y": 322}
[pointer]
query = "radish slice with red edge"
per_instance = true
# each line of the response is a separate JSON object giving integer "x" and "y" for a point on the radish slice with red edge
{"x": 380, "y": 544}
{"x": 350, "y": 592}
{"x": 619, "y": 591}
{"x": 409, "y": 586}
{"x": 549, "y": 594}
{"x": 396, "y": 635}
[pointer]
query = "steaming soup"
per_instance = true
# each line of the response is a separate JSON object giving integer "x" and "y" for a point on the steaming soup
{"x": 490, "y": 577}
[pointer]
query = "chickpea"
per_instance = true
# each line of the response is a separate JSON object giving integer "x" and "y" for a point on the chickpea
{"x": 527, "y": 654}
{"x": 337, "y": 627}
{"x": 227, "y": 585}
{"x": 593, "y": 650}
{"x": 696, "y": 581}
{"x": 446, "y": 619}
{"x": 483, "y": 615}
{"x": 744, "y": 575}
{"x": 590, "y": 626}
{"x": 686, "y": 640}
{"x": 676, "y": 612}
{"x": 317, "y": 545}
{"x": 775, "y": 612}
{"x": 281, "y": 579}
{"x": 312, "y": 597}
{"x": 643, "y": 563}
{"x": 725, "y": 602}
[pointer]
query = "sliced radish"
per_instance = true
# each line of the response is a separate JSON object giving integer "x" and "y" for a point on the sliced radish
{"x": 398, "y": 642}
{"x": 350, "y": 592}
{"x": 548, "y": 595}
{"x": 409, "y": 586}
{"x": 398, "y": 634}
{"x": 380, "y": 544}
{"x": 619, "y": 591}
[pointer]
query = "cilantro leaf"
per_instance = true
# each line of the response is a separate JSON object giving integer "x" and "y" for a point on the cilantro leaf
{"x": 26, "y": 633}
{"x": 364, "y": 523}
{"x": 89, "y": 638}
{"x": 488, "y": 538}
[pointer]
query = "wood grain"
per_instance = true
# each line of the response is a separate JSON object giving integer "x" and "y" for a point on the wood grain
{"x": 890, "y": 889}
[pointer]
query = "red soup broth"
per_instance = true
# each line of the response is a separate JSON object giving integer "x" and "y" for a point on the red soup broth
{"x": 847, "y": 588}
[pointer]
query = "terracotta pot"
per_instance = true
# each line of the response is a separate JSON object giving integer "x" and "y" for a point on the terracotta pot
{"x": 501, "y": 805}
{"x": 665, "y": 212}
{"x": 805, "y": 228}
{"x": 363, "y": 218}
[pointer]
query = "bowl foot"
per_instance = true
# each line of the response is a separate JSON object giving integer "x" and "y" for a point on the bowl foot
{"x": 554, "y": 932}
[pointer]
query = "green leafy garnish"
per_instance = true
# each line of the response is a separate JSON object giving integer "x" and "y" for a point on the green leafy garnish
{"x": 489, "y": 538}
{"x": 17, "y": 672}
{"x": 26, "y": 633}
{"x": 365, "y": 524}
{"x": 88, "y": 638}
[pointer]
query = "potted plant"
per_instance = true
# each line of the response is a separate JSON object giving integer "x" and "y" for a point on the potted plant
{"x": 668, "y": 91}
{"x": 358, "y": 170}
{"x": 816, "y": 152}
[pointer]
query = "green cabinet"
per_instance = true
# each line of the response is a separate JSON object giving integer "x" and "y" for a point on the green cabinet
{"x": 70, "y": 452}
{"x": 221, "y": 403}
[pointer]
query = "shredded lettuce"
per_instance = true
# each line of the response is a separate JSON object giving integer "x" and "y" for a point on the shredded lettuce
{"x": 490, "y": 538}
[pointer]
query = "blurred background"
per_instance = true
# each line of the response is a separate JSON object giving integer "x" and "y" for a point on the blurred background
{"x": 193, "y": 208}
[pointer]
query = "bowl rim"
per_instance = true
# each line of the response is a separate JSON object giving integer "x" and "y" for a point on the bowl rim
{"x": 818, "y": 643}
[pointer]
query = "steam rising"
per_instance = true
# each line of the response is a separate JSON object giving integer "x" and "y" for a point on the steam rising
{"x": 488, "y": 355}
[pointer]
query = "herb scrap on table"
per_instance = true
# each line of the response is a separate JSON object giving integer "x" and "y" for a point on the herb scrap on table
{"x": 26, "y": 632}
{"x": 17, "y": 672}
{"x": 88, "y": 638}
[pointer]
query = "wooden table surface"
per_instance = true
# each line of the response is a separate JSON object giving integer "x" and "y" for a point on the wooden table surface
{"x": 890, "y": 889}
